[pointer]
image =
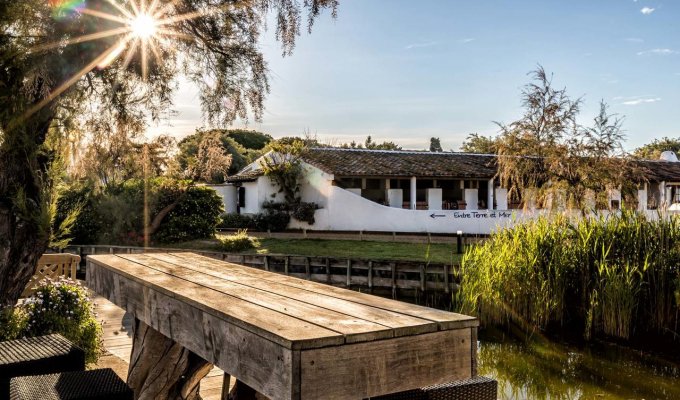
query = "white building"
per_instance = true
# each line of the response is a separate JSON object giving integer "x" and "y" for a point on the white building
{"x": 409, "y": 191}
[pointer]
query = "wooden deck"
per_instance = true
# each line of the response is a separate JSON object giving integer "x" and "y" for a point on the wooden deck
{"x": 118, "y": 344}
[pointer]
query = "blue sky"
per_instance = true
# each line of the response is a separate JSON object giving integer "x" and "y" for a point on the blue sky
{"x": 405, "y": 70}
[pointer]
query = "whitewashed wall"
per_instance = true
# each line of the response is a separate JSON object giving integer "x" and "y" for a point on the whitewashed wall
{"x": 347, "y": 211}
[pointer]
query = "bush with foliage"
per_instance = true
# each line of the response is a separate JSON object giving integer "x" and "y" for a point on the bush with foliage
{"x": 80, "y": 197}
{"x": 614, "y": 275}
{"x": 236, "y": 221}
{"x": 273, "y": 221}
{"x": 61, "y": 306}
{"x": 116, "y": 214}
{"x": 195, "y": 216}
{"x": 300, "y": 210}
{"x": 237, "y": 242}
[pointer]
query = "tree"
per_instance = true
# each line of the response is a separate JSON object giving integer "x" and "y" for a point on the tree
{"x": 547, "y": 158}
{"x": 652, "y": 151}
{"x": 369, "y": 144}
{"x": 242, "y": 146}
{"x": 435, "y": 144}
{"x": 479, "y": 144}
{"x": 63, "y": 60}
{"x": 212, "y": 161}
{"x": 60, "y": 61}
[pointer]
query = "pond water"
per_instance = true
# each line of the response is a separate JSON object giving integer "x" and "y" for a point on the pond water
{"x": 544, "y": 369}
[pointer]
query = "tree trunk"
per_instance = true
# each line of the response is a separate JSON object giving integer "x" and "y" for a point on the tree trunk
{"x": 24, "y": 216}
{"x": 161, "y": 368}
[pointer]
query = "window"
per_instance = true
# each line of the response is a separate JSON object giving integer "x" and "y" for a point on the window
{"x": 241, "y": 196}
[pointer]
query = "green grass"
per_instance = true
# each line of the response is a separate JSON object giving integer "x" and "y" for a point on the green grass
{"x": 373, "y": 250}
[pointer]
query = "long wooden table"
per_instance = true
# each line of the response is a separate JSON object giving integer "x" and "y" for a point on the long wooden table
{"x": 285, "y": 337}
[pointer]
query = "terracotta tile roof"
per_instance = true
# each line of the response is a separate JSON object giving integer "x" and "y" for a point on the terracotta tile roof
{"x": 355, "y": 162}
{"x": 247, "y": 176}
{"x": 361, "y": 162}
{"x": 658, "y": 170}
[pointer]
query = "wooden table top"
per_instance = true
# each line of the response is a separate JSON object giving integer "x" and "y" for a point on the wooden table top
{"x": 292, "y": 312}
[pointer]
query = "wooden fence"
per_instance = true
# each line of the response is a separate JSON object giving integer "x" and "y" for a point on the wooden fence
{"x": 397, "y": 276}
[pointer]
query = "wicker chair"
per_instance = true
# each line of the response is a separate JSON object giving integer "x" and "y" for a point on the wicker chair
{"x": 38, "y": 355}
{"x": 98, "y": 384}
{"x": 477, "y": 388}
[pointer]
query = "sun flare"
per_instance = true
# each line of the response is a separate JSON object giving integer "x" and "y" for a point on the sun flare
{"x": 143, "y": 26}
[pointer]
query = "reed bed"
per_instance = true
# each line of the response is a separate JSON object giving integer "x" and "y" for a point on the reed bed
{"x": 616, "y": 275}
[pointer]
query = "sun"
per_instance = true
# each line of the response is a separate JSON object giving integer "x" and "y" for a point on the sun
{"x": 143, "y": 26}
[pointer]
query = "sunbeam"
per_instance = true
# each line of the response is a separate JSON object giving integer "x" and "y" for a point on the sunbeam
{"x": 143, "y": 29}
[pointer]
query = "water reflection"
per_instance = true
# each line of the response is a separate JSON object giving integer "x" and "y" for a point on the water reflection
{"x": 549, "y": 370}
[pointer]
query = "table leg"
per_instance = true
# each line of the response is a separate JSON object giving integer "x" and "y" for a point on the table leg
{"x": 241, "y": 391}
{"x": 162, "y": 369}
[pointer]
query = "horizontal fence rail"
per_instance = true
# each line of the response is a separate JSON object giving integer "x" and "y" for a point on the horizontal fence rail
{"x": 353, "y": 273}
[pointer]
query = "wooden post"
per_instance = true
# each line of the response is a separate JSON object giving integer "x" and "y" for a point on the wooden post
{"x": 349, "y": 272}
{"x": 266, "y": 263}
{"x": 422, "y": 278}
{"x": 308, "y": 271}
{"x": 162, "y": 369}
{"x": 394, "y": 279}
{"x": 286, "y": 263}
{"x": 328, "y": 270}
{"x": 370, "y": 274}
{"x": 446, "y": 278}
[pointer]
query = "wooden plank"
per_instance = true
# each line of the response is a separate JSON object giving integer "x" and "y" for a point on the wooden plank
{"x": 354, "y": 329}
{"x": 258, "y": 362}
{"x": 365, "y": 370}
{"x": 283, "y": 329}
{"x": 398, "y": 323}
{"x": 445, "y": 319}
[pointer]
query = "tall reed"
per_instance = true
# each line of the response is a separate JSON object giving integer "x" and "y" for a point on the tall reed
{"x": 616, "y": 274}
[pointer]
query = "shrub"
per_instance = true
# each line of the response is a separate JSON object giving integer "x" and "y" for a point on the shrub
{"x": 64, "y": 307}
{"x": 196, "y": 216}
{"x": 237, "y": 221}
{"x": 273, "y": 221}
{"x": 299, "y": 210}
{"x": 606, "y": 275}
{"x": 13, "y": 323}
{"x": 237, "y": 242}
{"x": 116, "y": 215}
{"x": 304, "y": 212}
{"x": 87, "y": 225}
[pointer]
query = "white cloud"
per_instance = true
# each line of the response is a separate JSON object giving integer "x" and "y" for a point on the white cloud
{"x": 637, "y": 100}
{"x": 661, "y": 52}
{"x": 634, "y": 40}
{"x": 420, "y": 45}
{"x": 466, "y": 40}
{"x": 647, "y": 10}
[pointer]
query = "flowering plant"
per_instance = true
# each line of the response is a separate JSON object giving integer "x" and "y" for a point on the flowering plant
{"x": 63, "y": 306}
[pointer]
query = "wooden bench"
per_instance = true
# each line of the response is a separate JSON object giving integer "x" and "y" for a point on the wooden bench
{"x": 284, "y": 337}
{"x": 52, "y": 266}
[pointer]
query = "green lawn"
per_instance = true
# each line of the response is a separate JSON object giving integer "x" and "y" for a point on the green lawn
{"x": 374, "y": 250}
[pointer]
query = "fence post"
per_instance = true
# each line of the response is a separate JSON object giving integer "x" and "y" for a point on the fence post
{"x": 349, "y": 272}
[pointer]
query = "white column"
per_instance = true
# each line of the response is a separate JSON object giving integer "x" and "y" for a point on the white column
{"x": 471, "y": 198}
{"x": 489, "y": 202}
{"x": 662, "y": 195}
{"x": 434, "y": 199}
{"x": 501, "y": 199}
{"x": 395, "y": 198}
{"x": 413, "y": 193}
{"x": 642, "y": 198}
